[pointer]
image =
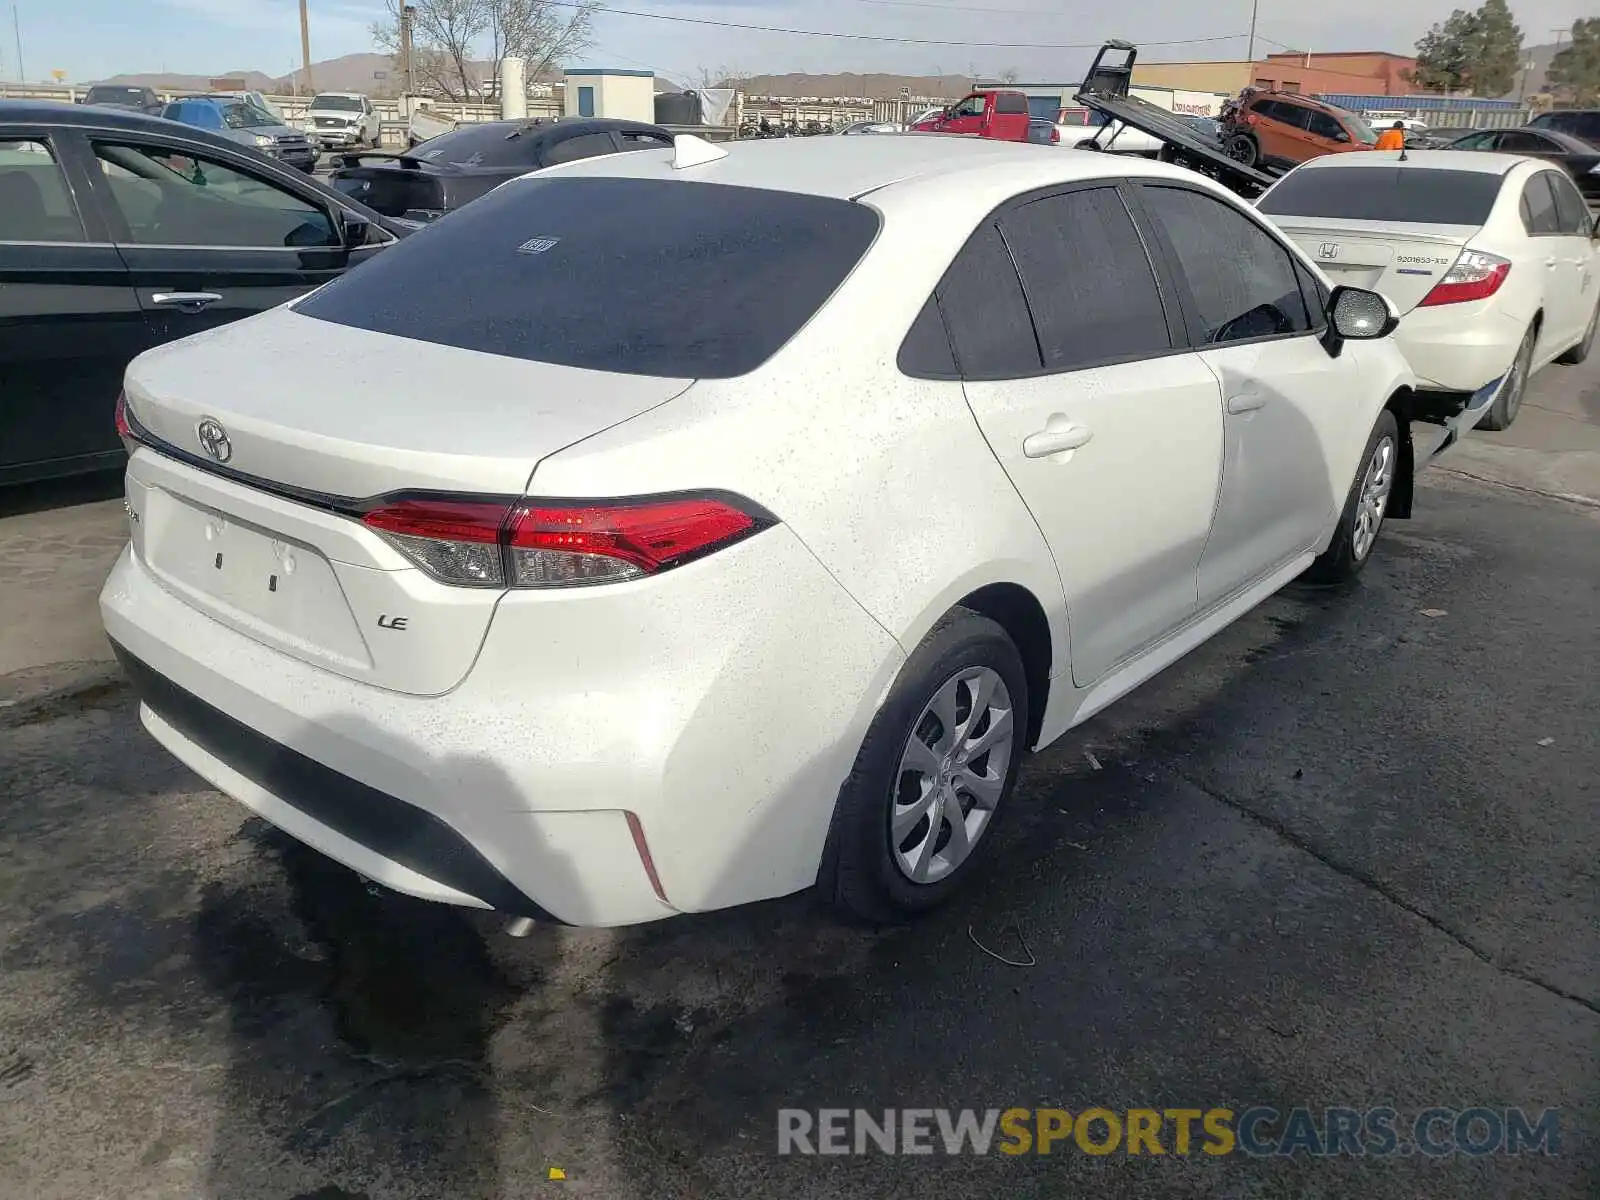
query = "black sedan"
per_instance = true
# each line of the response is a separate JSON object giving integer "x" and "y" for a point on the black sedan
{"x": 1579, "y": 158}
{"x": 119, "y": 232}
{"x": 455, "y": 168}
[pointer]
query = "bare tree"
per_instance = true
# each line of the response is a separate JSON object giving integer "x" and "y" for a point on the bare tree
{"x": 538, "y": 31}
{"x": 443, "y": 33}
{"x": 447, "y": 34}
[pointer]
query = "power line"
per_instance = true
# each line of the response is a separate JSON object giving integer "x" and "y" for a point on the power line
{"x": 871, "y": 37}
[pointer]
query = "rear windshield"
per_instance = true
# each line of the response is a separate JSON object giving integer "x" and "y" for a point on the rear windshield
{"x": 494, "y": 144}
{"x": 1424, "y": 196}
{"x": 635, "y": 276}
{"x": 115, "y": 95}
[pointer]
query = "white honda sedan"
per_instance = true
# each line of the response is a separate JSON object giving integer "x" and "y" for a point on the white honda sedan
{"x": 1489, "y": 258}
{"x": 672, "y": 530}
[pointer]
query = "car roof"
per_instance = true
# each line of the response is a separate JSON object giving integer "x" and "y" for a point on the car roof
{"x": 59, "y": 112}
{"x": 846, "y": 168}
{"x": 1486, "y": 162}
{"x": 347, "y": 95}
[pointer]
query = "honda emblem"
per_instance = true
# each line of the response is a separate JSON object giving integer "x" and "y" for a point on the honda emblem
{"x": 1328, "y": 250}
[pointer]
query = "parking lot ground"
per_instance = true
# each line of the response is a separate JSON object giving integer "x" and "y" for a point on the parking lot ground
{"x": 1345, "y": 855}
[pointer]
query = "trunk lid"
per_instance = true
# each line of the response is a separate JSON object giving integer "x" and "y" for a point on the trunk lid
{"x": 317, "y": 417}
{"x": 354, "y": 413}
{"x": 1398, "y": 259}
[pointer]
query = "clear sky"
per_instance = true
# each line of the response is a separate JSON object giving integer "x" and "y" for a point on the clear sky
{"x": 90, "y": 39}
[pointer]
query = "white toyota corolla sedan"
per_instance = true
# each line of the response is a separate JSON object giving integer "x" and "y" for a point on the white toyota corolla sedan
{"x": 677, "y": 529}
{"x": 1489, "y": 258}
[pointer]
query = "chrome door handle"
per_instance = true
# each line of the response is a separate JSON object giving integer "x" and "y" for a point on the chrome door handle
{"x": 1245, "y": 402}
{"x": 187, "y": 301}
{"x": 1054, "y": 441}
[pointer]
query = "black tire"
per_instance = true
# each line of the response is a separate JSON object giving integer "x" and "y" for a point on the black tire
{"x": 1581, "y": 351}
{"x": 859, "y": 876}
{"x": 1344, "y": 558}
{"x": 1088, "y": 144}
{"x": 1243, "y": 149}
{"x": 1509, "y": 402}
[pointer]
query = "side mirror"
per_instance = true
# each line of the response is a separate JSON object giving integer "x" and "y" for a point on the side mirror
{"x": 1357, "y": 315}
{"x": 353, "y": 230}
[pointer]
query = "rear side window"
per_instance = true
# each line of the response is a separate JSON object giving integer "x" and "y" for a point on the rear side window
{"x": 1539, "y": 206}
{"x": 636, "y": 276}
{"x": 645, "y": 141}
{"x": 1088, "y": 282}
{"x": 1571, "y": 210}
{"x": 926, "y": 352}
{"x": 1403, "y": 193}
{"x": 1010, "y": 103}
{"x": 35, "y": 205}
{"x": 1585, "y": 125}
{"x": 1242, "y": 283}
{"x": 585, "y": 145}
{"x": 981, "y": 299}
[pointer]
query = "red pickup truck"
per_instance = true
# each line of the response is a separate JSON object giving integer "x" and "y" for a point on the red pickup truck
{"x": 994, "y": 113}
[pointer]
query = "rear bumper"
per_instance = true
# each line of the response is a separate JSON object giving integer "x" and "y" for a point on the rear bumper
{"x": 721, "y": 705}
{"x": 1459, "y": 347}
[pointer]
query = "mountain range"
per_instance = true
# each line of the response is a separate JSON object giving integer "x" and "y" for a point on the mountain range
{"x": 375, "y": 75}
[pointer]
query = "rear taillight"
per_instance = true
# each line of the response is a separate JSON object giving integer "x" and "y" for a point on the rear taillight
{"x": 124, "y": 422}
{"x": 546, "y": 544}
{"x": 1475, "y": 276}
{"x": 1055, "y": 136}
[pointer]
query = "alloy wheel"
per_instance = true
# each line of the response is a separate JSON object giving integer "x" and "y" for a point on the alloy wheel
{"x": 952, "y": 773}
{"x": 1373, "y": 501}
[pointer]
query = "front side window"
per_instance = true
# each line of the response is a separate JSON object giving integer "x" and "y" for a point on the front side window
{"x": 35, "y": 205}
{"x": 972, "y": 106}
{"x": 174, "y": 198}
{"x": 1089, "y": 285}
{"x": 585, "y": 145}
{"x": 1475, "y": 141}
{"x": 1241, "y": 281}
{"x": 1323, "y": 125}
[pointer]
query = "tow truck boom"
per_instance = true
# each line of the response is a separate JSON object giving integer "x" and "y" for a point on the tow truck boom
{"x": 1105, "y": 89}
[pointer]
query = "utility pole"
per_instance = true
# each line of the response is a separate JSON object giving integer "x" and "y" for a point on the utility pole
{"x": 405, "y": 48}
{"x": 1255, "y": 6}
{"x": 16, "y": 28}
{"x": 305, "y": 44}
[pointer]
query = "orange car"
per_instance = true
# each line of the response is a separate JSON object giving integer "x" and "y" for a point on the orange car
{"x": 1286, "y": 129}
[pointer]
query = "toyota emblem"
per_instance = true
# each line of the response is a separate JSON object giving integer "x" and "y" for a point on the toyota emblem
{"x": 214, "y": 439}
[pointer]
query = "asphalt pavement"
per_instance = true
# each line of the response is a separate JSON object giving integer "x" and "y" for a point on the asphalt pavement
{"x": 1343, "y": 856}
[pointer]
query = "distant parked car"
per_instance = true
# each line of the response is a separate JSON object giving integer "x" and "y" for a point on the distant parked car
{"x": 139, "y": 99}
{"x": 256, "y": 98}
{"x": 1489, "y": 260}
{"x": 338, "y": 120}
{"x": 246, "y": 124}
{"x": 1581, "y": 160}
{"x": 120, "y": 231}
{"x": 455, "y": 168}
{"x": 1575, "y": 122}
{"x": 859, "y": 127}
{"x": 1286, "y": 128}
{"x": 1042, "y": 132}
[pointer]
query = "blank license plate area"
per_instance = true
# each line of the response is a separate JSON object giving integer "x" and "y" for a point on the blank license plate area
{"x": 272, "y": 588}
